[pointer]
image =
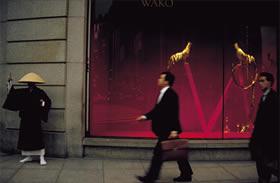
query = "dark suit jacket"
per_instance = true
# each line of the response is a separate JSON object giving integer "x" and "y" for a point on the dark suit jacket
{"x": 265, "y": 138}
{"x": 165, "y": 114}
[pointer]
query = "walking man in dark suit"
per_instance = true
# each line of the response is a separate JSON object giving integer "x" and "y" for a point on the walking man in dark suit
{"x": 165, "y": 125}
{"x": 264, "y": 143}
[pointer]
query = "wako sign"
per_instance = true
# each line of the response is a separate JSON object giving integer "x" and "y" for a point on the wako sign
{"x": 158, "y": 3}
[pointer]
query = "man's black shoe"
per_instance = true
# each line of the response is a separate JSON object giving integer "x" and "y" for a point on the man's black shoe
{"x": 144, "y": 179}
{"x": 183, "y": 179}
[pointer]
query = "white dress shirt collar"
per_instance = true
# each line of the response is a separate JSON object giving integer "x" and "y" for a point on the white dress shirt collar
{"x": 163, "y": 90}
{"x": 266, "y": 91}
{"x": 265, "y": 94}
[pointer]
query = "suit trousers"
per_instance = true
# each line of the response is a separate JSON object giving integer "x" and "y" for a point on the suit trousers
{"x": 264, "y": 172}
{"x": 156, "y": 163}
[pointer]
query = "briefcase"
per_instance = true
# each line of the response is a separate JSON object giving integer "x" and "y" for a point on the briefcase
{"x": 174, "y": 150}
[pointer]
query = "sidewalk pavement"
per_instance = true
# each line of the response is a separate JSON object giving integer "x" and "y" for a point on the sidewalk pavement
{"x": 89, "y": 170}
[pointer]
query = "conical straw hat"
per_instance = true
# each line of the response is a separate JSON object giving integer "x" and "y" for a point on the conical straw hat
{"x": 31, "y": 78}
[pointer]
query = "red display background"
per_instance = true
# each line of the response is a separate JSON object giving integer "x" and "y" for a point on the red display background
{"x": 127, "y": 58}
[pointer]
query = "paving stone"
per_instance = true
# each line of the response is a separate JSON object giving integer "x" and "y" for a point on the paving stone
{"x": 212, "y": 173}
{"x": 82, "y": 164}
{"x": 11, "y": 163}
{"x": 83, "y": 176}
{"x": 35, "y": 176}
{"x": 122, "y": 164}
{"x": 6, "y": 174}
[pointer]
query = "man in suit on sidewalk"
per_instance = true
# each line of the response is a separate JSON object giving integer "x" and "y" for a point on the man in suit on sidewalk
{"x": 165, "y": 125}
{"x": 264, "y": 143}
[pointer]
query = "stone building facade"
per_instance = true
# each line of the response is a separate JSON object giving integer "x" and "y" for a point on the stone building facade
{"x": 49, "y": 38}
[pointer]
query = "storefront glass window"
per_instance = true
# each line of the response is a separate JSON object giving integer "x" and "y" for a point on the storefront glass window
{"x": 131, "y": 43}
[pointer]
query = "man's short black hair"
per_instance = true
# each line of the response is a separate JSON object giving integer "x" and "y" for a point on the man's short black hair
{"x": 169, "y": 77}
{"x": 269, "y": 77}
